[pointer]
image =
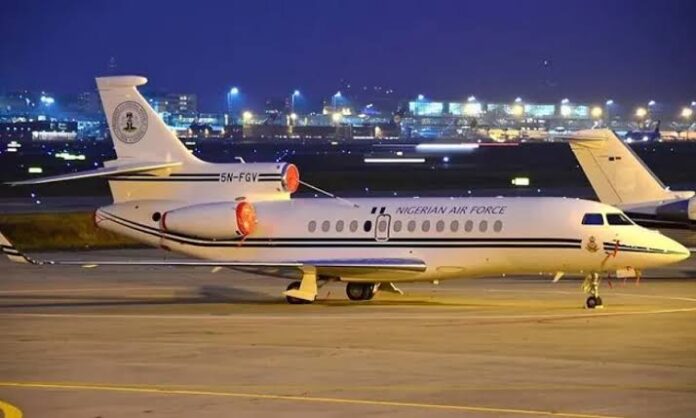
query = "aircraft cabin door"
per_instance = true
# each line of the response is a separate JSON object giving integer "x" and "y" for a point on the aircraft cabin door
{"x": 382, "y": 227}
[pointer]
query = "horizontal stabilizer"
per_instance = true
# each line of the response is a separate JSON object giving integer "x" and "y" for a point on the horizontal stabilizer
{"x": 99, "y": 172}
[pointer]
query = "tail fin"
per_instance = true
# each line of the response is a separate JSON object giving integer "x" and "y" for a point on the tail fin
{"x": 618, "y": 176}
{"x": 137, "y": 131}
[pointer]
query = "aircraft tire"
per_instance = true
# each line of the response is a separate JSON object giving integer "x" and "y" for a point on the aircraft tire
{"x": 291, "y": 300}
{"x": 593, "y": 301}
{"x": 360, "y": 291}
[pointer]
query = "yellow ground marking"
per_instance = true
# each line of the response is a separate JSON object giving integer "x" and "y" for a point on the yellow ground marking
{"x": 294, "y": 398}
{"x": 9, "y": 410}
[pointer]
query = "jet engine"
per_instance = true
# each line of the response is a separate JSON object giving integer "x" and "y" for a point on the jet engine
{"x": 221, "y": 220}
{"x": 679, "y": 211}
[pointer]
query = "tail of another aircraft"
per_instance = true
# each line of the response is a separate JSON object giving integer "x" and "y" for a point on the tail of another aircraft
{"x": 617, "y": 174}
{"x": 138, "y": 133}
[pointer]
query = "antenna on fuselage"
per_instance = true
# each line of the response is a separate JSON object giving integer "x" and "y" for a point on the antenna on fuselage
{"x": 331, "y": 195}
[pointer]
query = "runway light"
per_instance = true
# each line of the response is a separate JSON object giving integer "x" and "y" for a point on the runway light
{"x": 445, "y": 159}
{"x": 394, "y": 160}
{"x": 596, "y": 112}
{"x": 35, "y": 170}
{"x": 520, "y": 181}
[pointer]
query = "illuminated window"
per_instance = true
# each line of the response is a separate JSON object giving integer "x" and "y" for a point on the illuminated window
{"x": 397, "y": 226}
{"x": 411, "y": 226}
{"x": 498, "y": 226}
{"x": 325, "y": 226}
{"x": 483, "y": 226}
{"x": 367, "y": 226}
{"x": 353, "y": 226}
{"x": 425, "y": 227}
{"x": 454, "y": 226}
{"x": 339, "y": 226}
{"x": 468, "y": 226}
{"x": 312, "y": 226}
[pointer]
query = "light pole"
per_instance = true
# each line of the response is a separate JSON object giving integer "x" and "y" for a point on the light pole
{"x": 295, "y": 93}
{"x": 687, "y": 113}
{"x": 335, "y": 98}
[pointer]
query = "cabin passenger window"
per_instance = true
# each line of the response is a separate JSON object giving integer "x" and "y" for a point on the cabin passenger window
{"x": 339, "y": 226}
{"x": 353, "y": 226}
{"x": 367, "y": 226}
{"x": 397, "y": 226}
{"x": 468, "y": 226}
{"x": 325, "y": 226}
{"x": 483, "y": 226}
{"x": 593, "y": 219}
{"x": 382, "y": 226}
{"x": 454, "y": 226}
{"x": 440, "y": 226}
{"x": 411, "y": 226}
{"x": 498, "y": 226}
{"x": 425, "y": 227}
{"x": 618, "y": 219}
{"x": 312, "y": 226}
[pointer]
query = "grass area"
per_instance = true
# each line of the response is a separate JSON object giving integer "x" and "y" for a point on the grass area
{"x": 58, "y": 231}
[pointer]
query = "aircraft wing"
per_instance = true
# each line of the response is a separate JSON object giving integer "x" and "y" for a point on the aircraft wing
{"x": 352, "y": 266}
{"x": 99, "y": 172}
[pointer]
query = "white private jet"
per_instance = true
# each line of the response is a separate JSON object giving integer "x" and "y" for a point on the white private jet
{"x": 241, "y": 216}
{"x": 620, "y": 178}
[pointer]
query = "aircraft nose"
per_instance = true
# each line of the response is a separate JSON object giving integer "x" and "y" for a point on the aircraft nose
{"x": 676, "y": 249}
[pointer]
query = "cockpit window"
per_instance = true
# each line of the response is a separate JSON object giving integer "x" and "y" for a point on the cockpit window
{"x": 593, "y": 219}
{"x": 618, "y": 219}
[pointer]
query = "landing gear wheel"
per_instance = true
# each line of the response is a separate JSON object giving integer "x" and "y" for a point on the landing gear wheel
{"x": 593, "y": 302}
{"x": 290, "y": 299}
{"x": 360, "y": 291}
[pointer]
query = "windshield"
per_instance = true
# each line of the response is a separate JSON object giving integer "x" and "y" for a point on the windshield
{"x": 618, "y": 219}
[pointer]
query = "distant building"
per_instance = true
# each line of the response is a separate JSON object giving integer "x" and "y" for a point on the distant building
{"x": 174, "y": 103}
{"x": 26, "y": 131}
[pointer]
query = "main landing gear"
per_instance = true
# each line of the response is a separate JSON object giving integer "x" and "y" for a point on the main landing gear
{"x": 591, "y": 286}
{"x": 360, "y": 291}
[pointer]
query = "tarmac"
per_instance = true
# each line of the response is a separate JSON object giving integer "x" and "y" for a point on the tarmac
{"x": 163, "y": 342}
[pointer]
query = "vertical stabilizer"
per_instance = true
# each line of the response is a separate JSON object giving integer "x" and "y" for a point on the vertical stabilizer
{"x": 617, "y": 175}
{"x": 138, "y": 133}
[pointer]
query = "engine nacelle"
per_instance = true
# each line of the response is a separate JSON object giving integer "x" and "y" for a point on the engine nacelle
{"x": 221, "y": 220}
{"x": 679, "y": 211}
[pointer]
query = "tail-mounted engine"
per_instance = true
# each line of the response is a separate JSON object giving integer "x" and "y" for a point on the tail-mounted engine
{"x": 222, "y": 220}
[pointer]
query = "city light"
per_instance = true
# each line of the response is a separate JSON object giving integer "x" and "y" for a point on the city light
{"x": 394, "y": 160}
{"x": 421, "y": 97}
{"x": 517, "y": 110}
{"x": 565, "y": 110}
{"x": 293, "y": 116}
{"x": 234, "y": 91}
{"x": 471, "y": 99}
{"x": 296, "y": 93}
{"x": 247, "y": 116}
{"x": 651, "y": 103}
{"x": 641, "y": 112}
{"x": 336, "y": 117}
{"x": 687, "y": 112}
{"x": 565, "y": 101}
{"x": 518, "y": 100}
{"x": 338, "y": 94}
{"x": 596, "y": 112}
{"x": 609, "y": 102}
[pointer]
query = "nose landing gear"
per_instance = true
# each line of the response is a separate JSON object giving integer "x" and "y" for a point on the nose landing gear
{"x": 591, "y": 286}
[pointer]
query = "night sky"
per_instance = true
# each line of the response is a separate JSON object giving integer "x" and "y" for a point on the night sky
{"x": 587, "y": 50}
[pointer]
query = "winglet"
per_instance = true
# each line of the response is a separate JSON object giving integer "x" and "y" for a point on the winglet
{"x": 11, "y": 252}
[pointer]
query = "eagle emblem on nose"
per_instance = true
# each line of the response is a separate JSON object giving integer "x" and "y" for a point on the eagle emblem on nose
{"x": 592, "y": 245}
